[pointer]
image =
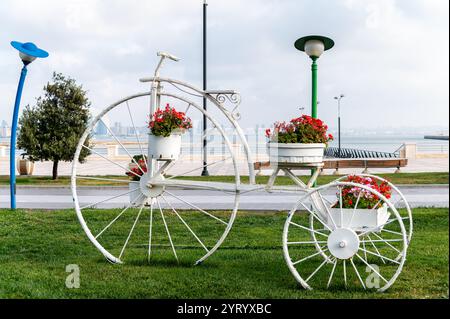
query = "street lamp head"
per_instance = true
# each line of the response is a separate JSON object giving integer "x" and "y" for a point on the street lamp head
{"x": 28, "y": 51}
{"x": 314, "y": 45}
{"x": 314, "y": 48}
{"x": 342, "y": 95}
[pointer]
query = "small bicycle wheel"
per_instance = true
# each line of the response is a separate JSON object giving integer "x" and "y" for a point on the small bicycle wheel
{"x": 351, "y": 247}
{"x": 140, "y": 219}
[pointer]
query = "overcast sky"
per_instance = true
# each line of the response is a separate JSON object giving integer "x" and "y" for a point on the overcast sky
{"x": 391, "y": 57}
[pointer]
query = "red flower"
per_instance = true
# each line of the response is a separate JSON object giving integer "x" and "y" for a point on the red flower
{"x": 164, "y": 122}
{"x": 304, "y": 129}
{"x": 367, "y": 199}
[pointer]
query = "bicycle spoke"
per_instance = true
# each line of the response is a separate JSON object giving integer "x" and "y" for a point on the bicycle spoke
{"x": 375, "y": 247}
{"x": 328, "y": 201}
{"x": 188, "y": 108}
{"x": 316, "y": 271}
{"x": 306, "y": 242}
{"x": 328, "y": 211}
{"x": 106, "y": 200}
{"x": 209, "y": 132}
{"x": 115, "y": 219}
{"x": 201, "y": 167}
{"x": 344, "y": 264}
{"x": 364, "y": 250}
{"x": 131, "y": 231}
{"x": 125, "y": 181}
{"x": 376, "y": 205}
{"x": 374, "y": 270}
{"x": 150, "y": 230}
{"x": 390, "y": 221}
{"x": 137, "y": 135}
{"x": 185, "y": 224}
{"x": 311, "y": 256}
{"x": 332, "y": 273}
{"x": 354, "y": 209}
{"x": 378, "y": 228}
{"x": 308, "y": 229}
{"x": 382, "y": 240}
{"x": 341, "y": 208}
{"x": 123, "y": 147}
{"x": 386, "y": 241}
{"x": 326, "y": 226}
{"x": 372, "y": 253}
{"x": 114, "y": 163}
{"x": 197, "y": 208}
{"x": 392, "y": 232}
{"x": 357, "y": 273}
{"x": 167, "y": 230}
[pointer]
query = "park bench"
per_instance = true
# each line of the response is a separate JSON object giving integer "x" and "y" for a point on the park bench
{"x": 364, "y": 163}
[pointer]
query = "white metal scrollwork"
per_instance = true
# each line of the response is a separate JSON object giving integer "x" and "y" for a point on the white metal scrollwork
{"x": 233, "y": 98}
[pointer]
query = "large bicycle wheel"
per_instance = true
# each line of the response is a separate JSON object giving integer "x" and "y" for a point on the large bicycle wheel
{"x": 357, "y": 248}
{"x": 168, "y": 216}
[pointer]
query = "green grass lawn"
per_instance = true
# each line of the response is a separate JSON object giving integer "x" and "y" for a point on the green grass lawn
{"x": 401, "y": 178}
{"x": 36, "y": 246}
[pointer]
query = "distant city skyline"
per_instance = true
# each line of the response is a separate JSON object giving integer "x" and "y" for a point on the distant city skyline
{"x": 121, "y": 130}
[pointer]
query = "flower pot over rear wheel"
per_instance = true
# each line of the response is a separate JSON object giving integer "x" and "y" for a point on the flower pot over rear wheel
{"x": 359, "y": 220}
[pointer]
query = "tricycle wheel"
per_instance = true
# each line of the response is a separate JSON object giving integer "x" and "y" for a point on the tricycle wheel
{"x": 352, "y": 246}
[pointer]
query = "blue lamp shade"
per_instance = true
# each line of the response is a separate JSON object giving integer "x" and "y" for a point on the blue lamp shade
{"x": 28, "y": 51}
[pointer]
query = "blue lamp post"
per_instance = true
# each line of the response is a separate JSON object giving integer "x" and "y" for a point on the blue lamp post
{"x": 28, "y": 52}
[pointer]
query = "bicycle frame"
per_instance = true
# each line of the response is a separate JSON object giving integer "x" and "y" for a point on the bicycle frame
{"x": 217, "y": 97}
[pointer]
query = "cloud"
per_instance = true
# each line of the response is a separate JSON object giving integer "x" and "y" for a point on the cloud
{"x": 390, "y": 58}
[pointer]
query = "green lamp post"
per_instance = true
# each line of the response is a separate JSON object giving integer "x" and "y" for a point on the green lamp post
{"x": 314, "y": 46}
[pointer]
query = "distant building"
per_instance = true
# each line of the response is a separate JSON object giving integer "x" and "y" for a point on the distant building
{"x": 5, "y": 130}
{"x": 131, "y": 131}
{"x": 101, "y": 129}
{"x": 118, "y": 129}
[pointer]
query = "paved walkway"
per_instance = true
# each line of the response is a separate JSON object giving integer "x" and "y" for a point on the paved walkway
{"x": 102, "y": 167}
{"x": 61, "y": 198}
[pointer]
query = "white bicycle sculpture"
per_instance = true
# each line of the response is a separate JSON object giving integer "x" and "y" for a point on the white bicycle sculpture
{"x": 318, "y": 236}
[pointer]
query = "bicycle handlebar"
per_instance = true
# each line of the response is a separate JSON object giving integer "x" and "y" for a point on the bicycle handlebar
{"x": 169, "y": 56}
{"x": 164, "y": 56}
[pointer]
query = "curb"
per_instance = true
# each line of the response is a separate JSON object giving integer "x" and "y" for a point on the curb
{"x": 120, "y": 187}
{"x": 400, "y": 186}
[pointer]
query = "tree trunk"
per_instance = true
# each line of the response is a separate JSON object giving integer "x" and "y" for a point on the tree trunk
{"x": 55, "y": 170}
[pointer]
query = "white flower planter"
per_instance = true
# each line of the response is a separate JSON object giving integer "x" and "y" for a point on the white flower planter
{"x": 363, "y": 219}
{"x": 135, "y": 196}
{"x": 165, "y": 148}
{"x": 297, "y": 153}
